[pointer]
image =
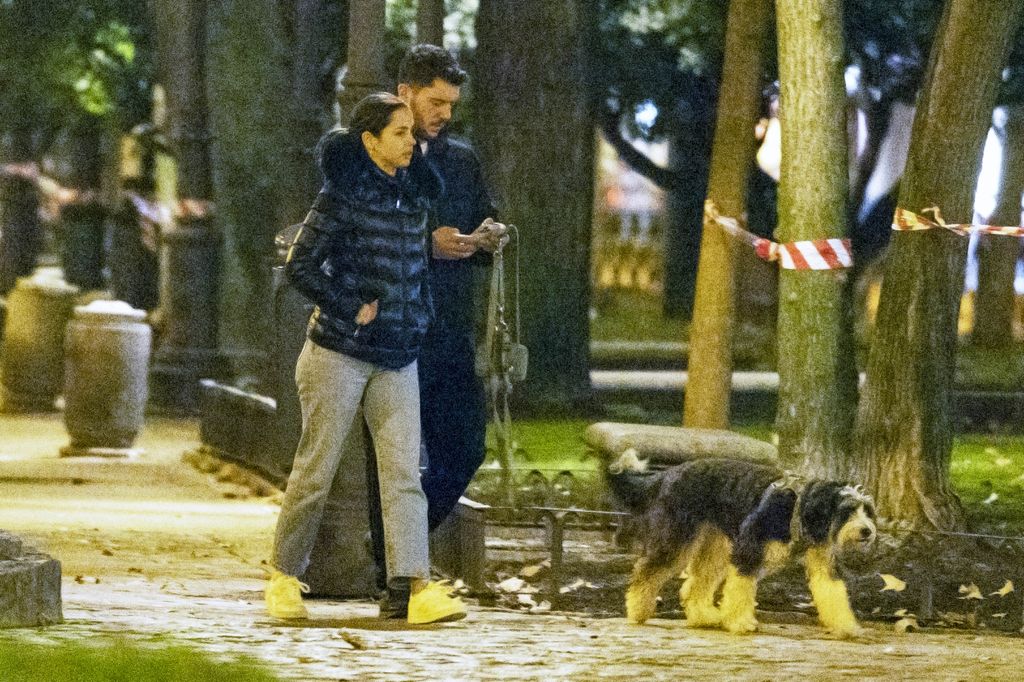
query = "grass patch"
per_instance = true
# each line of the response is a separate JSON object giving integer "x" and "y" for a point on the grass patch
{"x": 119, "y": 661}
{"x": 987, "y": 471}
{"x": 635, "y": 316}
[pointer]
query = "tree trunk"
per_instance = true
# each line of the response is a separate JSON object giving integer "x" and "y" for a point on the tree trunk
{"x": 997, "y": 255}
{"x": 365, "y": 62}
{"x": 264, "y": 171}
{"x": 430, "y": 22}
{"x": 904, "y": 437}
{"x": 537, "y": 144}
{"x": 314, "y": 34}
{"x": 710, "y": 365}
{"x": 817, "y": 378}
{"x": 684, "y": 202}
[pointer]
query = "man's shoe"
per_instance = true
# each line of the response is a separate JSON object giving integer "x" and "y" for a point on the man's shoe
{"x": 394, "y": 603}
{"x": 284, "y": 596}
{"x": 435, "y": 604}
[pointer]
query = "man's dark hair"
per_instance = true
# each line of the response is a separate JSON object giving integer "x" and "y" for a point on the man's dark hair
{"x": 373, "y": 113}
{"x": 423, "y": 63}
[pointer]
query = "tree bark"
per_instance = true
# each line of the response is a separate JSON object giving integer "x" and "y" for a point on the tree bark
{"x": 710, "y": 365}
{"x": 365, "y": 64}
{"x": 998, "y": 255}
{"x": 817, "y": 379}
{"x": 537, "y": 144}
{"x": 430, "y": 22}
{"x": 904, "y": 436}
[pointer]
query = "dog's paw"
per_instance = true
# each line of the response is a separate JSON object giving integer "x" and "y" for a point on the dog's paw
{"x": 703, "y": 616}
{"x": 741, "y": 626}
{"x": 853, "y": 631}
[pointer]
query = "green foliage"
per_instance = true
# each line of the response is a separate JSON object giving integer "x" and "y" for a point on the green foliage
{"x": 63, "y": 60}
{"x": 119, "y": 661}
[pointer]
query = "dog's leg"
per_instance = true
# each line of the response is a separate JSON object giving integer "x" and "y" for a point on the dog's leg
{"x": 648, "y": 578}
{"x": 829, "y": 594}
{"x": 707, "y": 568}
{"x": 739, "y": 599}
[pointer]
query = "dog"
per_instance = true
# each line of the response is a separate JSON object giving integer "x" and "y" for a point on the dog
{"x": 729, "y": 522}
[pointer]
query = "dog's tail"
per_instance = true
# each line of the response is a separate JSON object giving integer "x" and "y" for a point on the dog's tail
{"x": 630, "y": 481}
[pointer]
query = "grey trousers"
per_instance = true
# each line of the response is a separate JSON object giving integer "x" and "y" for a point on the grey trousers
{"x": 331, "y": 386}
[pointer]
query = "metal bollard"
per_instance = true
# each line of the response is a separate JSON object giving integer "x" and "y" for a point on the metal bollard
{"x": 32, "y": 361}
{"x": 107, "y": 363}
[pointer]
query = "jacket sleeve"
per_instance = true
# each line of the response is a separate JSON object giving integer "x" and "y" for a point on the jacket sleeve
{"x": 304, "y": 267}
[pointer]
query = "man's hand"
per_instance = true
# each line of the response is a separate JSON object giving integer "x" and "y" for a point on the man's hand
{"x": 490, "y": 235}
{"x": 450, "y": 244}
{"x": 367, "y": 313}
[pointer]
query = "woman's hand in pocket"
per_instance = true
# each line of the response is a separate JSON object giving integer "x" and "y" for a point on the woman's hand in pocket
{"x": 367, "y": 313}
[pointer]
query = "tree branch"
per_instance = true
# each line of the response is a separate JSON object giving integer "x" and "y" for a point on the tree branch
{"x": 608, "y": 120}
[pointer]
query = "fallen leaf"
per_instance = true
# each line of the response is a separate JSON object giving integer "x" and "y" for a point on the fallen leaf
{"x": 86, "y": 580}
{"x": 900, "y": 613}
{"x": 107, "y": 552}
{"x": 542, "y": 607}
{"x": 999, "y": 615}
{"x": 531, "y": 571}
{"x": 1006, "y": 589}
{"x": 991, "y": 451}
{"x": 905, "y": 625}
{"x": 526, "y": 600}
{"x": 355, "y": 641}
{"x": 1003, "y": 462}
{"x": 970, "y": 592}
{"x": 511, "y": 584}
{"x": 575, "y": 585}
{"x": 892, "y": 583}
{"x": 990, "y": 499}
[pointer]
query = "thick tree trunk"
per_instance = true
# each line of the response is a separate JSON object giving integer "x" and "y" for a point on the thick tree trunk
{"x": 316, "y": 27}
{"x": 684, "y": 203}
{"x": 817, "y": 379}
{"x": 365, "y": 61}
{"x": 430, "y": 22}
{"x": 263, "y": 170}
{"x": 537, "y": 144}
{"x": 904, "y": 437}
{"x": 997, "y": 255}
{"x": 710, "y": 365}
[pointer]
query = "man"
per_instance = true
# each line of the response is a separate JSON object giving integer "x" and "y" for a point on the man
{"x": 452, "y": 402}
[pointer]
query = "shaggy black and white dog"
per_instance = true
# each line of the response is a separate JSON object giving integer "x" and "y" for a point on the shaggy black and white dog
{"x": 729, "y": 522}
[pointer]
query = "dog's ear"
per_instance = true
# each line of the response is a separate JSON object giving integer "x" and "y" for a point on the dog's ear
{"x": 817, "y": 508}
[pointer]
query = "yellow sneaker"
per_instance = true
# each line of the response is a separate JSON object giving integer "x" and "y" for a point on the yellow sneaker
{"x": 435, "y": 604}
{"x": 284, "y": 596}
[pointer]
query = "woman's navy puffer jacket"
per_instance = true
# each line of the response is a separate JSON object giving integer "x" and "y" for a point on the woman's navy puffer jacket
{"x": 365, "y": 238}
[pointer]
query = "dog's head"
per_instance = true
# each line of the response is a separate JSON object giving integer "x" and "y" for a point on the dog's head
{"x": 837, "y": 514}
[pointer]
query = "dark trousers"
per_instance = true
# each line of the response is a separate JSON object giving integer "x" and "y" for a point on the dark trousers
{"x": 453, "y": 420}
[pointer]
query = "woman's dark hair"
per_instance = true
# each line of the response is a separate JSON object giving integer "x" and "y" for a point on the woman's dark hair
{"x": 373, "y": 113}
{"x": 423, "y": 63}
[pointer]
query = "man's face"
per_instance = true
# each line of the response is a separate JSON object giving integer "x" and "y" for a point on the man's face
{"x": 431, "y": 106}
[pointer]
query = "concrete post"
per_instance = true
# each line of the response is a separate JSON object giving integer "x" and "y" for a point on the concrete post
{"x": 32, "y": 361}
{"x": 107, "y": 359}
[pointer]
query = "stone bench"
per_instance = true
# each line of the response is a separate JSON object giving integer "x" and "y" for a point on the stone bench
{"x": 665, "y": 446}
{"x": 29, "y": 586}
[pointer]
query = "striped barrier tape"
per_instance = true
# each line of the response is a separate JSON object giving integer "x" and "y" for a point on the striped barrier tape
{"x": 908, "y": 221}
{"x": 817, "y": 254}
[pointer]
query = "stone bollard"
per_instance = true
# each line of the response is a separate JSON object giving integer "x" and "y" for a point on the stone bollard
{"x": 107, "y": 362}
{"x": 32, "y": 362}
{"x": 29, "y": 586}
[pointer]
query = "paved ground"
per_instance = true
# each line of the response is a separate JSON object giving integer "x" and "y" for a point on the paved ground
{"x": 153, "y": 551}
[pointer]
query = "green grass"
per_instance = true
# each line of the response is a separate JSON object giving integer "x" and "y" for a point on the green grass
{"x": 981, "y": 465}
{"x": 119, "y": 661}
{"x": 635, "y": 316}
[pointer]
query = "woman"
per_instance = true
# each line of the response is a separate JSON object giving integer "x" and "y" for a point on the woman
{"x": 361, "y": 257}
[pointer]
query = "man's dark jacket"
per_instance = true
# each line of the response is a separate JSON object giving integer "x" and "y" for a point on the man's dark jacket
{"x": 365, "y": 239}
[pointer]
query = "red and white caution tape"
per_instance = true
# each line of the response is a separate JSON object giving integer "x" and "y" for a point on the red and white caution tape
{"x": 818, "y": 254}
{"x": 908, "y": 221}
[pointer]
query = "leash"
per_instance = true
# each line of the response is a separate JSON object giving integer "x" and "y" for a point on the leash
{"x": 495, "y": 361}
